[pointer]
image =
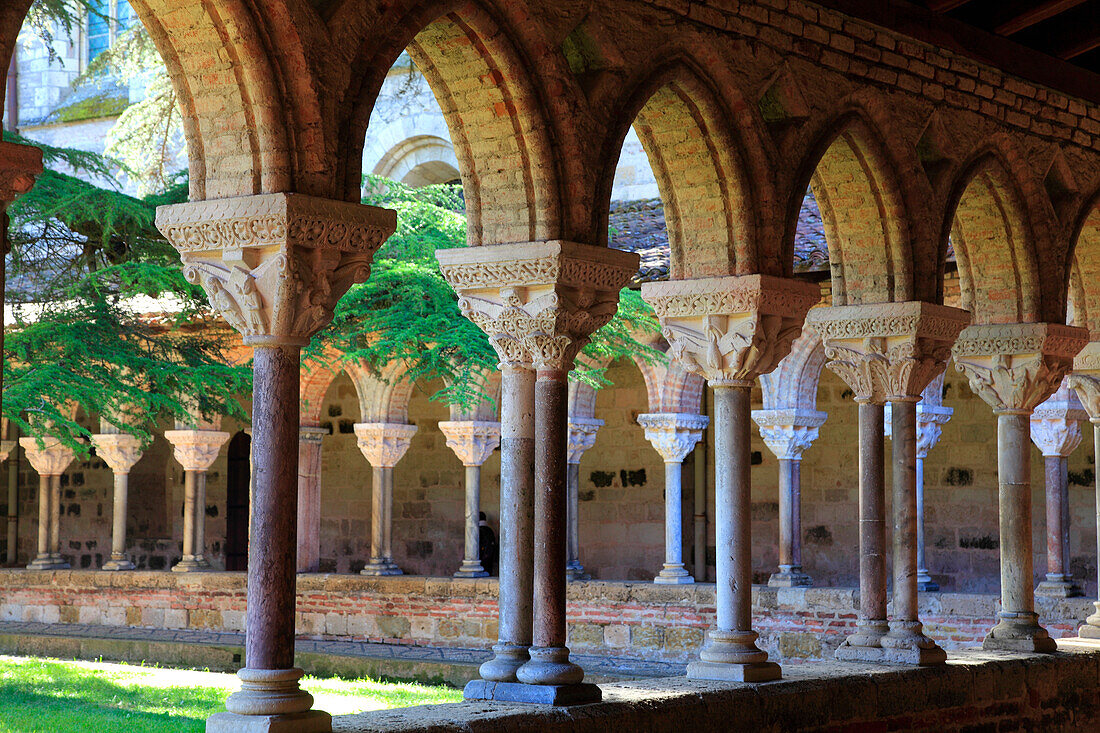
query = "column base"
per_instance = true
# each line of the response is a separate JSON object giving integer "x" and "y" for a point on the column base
{"x": 471, "y": 569}
{"x": 507, "y": 659}
{"x": 48, "y": 562}
{"x": 1091, "y": 628}
{"x": 673, "y": 574}
{"x": 549, "y": 665}
{"x": 313, "y": 721}
{"x": 558, "y": 695}
{"x": 191, "y": 564}
{"x": 915, "y": 656}
{"x": 726, "y": 672}
{"x": 927, "y": 585}
{"x": 575, "y": 571}
{"x": 1019, "y": 632}
{"x": 1060, "y": 587}
{"x": 119, "y": 564}
{"x": 905, "y": 644}
{"x": 869, "y": 633}
{"x": 380, "y": 568}
{"x": 793, "y": 578}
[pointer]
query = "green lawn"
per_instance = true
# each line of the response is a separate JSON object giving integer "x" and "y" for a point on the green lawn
{"x": 55, "y": 696}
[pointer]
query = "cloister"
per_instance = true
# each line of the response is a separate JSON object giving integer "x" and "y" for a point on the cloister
{"x": 925, "y": 142}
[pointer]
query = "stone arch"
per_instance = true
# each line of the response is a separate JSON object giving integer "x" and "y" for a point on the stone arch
{"x": 487, "y": 409}
{"x": 989, "y": 227}
{"x": 1084, "y": 271}
{"x": 419, "y": 160}
{"x": 383, "y": 397}
{"x": 316, "y": 379}
{"x": 793, "y": 384}
{"x": 671, "y": 388}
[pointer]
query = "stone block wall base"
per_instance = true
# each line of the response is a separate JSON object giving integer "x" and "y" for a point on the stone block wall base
{"x": 919, "y": 657}
{"x": 757, "y": 672}
{"x": 1088, "y": 631}
{"x": 1042, "y": 644}
{"x": 1058, "y": 589}
{"x": 559, "y": 695}
{"x": 311, "y": 721}
{"x": 790, "y": 580}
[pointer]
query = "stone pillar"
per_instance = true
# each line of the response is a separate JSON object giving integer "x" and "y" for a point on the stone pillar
{"x": 196, "y": 451}
{"x": 1056, "y": 432}
{"x": 274, "y": 266}
{"x": 119, "y": 451}
{"x": 1085, "y": 382}
{"x": 888, "y": 352}
{"x": 383, "y": 445}
{"x": 673, "y": 435}
{"x": 1014, "y": 367}
{"x": 50, "y": 461}
{"x": 788, "y": 433}
{"x": 6, "y": 447}
{"x": 538, "y": 302}
{"x": 582, "y": 436}
{"x": 309, "y": 497}
{"x": 473, "y": 441}
{"x": 729, "y": 330}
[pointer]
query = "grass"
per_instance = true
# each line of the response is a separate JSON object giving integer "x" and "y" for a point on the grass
{"x": 57, "y": 696}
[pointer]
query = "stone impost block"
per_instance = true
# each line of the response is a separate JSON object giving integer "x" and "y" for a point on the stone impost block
{"x": 384, "y": 444}
{"x": 729, "y": 330}
{"x": 673, "y": 434}
{"x": 582, "y": 436}
{"x": 274, "y": 265}
{"x": 473, "y": 441}
{"x": 539, "y": 302}
{"x": 1085, "y": 378}
{"x": 196, "y": 450}
{"x": 888, "y": 351}
{"x": 1015, "y": 366}
{"x": 788, "y": 433}
{"x": 51, "y": 458}
{"x": 119, "y": 451}
{"x": 1055, "y": 423}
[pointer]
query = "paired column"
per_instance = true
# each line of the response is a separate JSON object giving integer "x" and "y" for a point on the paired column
{"x": 582, "y": 436}
{"x": 383, "y": 445}
{"x": 50, "y": 459}
{"x": 309, "y": 497}
{"x": 538, "y": 302}
{"x": 1014, "y": 367}
{"x": 120, "y": 451}
{"x": 673, "y": 435}
{"x": 196, "y": 451}
{"x": 888, "y": 352}
{"x": 274, "y": 266}
{"x": 730, "y": 330}
{"x": 473, "y": 441}
{"x": 788, "y": 433}
{"x": 1056, "y": 432}
{"x": 1085, "y": 381}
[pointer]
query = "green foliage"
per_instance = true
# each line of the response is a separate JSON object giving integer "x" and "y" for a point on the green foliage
{"x": 45, "y": 15}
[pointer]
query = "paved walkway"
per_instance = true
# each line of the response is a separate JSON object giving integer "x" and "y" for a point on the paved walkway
{"x": 603, "y": 666}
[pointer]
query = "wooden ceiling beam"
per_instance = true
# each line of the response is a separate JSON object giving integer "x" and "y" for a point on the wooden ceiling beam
{"x": 1023, "y": 14}
{"x": 944, "y": 6}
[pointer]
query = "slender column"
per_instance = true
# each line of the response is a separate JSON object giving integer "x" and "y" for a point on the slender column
{"x": 196, "y": 451}
{"x": 383, "y": 445}
{"x": 674, "y": 435}
{"x": 6, "y": 448}
{"x": 119, "y": 451}
{"x": 700, "y": 516}
{"x": 50, "y": 461}
{"x": 473, "y": 442}
{"x": 931, "y": 416}
{"x": 582, "y": 436}
{"x": 1085, "y": 382}
{"x": 872, "y": 624}
{"x": 788, "y": 433}
{"x": 309, "y": 497}
{"x": 1014, "y": 367}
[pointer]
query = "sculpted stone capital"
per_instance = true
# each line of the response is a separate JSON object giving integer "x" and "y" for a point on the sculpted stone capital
{"x": 118, "y": 450}
{"x": 384, "y": 444}
{"x": 274, "y": 265}
{"x": 539, "y": 302}
{"x": 582, "y": 436}
{"x": 196, "y": 450}
{"x": 6, "y": 447}
{"x": 931, "y": 417}
{"x": 473, "y": 441}
{"x": 888, "y": 351}
{"x": 673, "y": 434}
{"x": 311, "y": 434}
{"x": 20, "y": 166}
{"x": 729, "y": 330}
{"x": 1015, "y": 366}
{"x": 51, "y": 459}
{"x": 1055, "y": 423}
{"x": 789, "y": 432}
{"x": 1085, "y": 379}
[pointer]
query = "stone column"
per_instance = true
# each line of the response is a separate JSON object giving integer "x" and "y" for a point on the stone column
{"x": 119, "y": 451}
{"x": 1085, "y": 382}
{"x": 473, "y": 441}
{"x": 50, "y": 461}
{"x": 1014, "y": 367}
{"x": 673, "y": 435}
{"x": 582, "y": 436}
{"x": 309, "y": 497}
{"x": 383, "y": 445}
{"x": 196, "y": 451}
{"x": 730, "y": 330}
{"x": 539, "y": 302}
{"x": 889, "y": 352}
{"x": 788, "y": 433}
{"x": 274, "y": 266}
{"x": 1056, "y": 432}
{"x": 6, "y": 447}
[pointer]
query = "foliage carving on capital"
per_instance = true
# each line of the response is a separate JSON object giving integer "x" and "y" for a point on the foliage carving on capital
{"x": 729, "y": 330}
{"x": 1055, "y": 423}
{"x": 274, "y": 265}
{"x": 789, "y": 432}
{"x": 49, "y": 459}
{"x": 473, "y": 441}
{"x": 384, "y": 444}
{"x": 196, "y": 450}
{"x": 118, "y": 450}
{"x": 582, "y": 436}
{"x": 673, "y": 434}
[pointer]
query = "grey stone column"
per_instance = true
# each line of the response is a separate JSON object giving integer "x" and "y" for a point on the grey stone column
{"x": 310, "y": 439}
{"x": 196, "y": 451}
{"x": 119, "y": 451}
{"x": 50, "y": 461}
{"x": 582, "y": 436}
{"x": 383, "y": 445}
{"x": 473, "y": 441}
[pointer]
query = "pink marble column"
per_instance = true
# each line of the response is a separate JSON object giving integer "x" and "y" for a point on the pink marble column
{"x": 121, "y": 452}
{"x": 49, "y": 458}
{"x": 383, "y": 445}
{"x": 582, "y": 436}
{"x": 473, "y": 441}
{"x": 309, "y": 497}
{"x": 196, "y": 451}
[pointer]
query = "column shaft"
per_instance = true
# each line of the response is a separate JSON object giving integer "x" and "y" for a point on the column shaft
{"x": 387, "y": 516}
{"x": 674, "y": 571}
{"x": 573, "y": 568}
{"x": 699, "y": 519}
{"x": 189, "y": 488}
{"x": 872, "y": 623}
{"x": 924, "y": 580}
{"x": 1057, "y": 488}
{"x": 45, "y": 489}
{"x": 55, "y": 517}
{"x": 309, "y": 504}
{"x": 119, "y": 512}
{"x": 377, "y": 515}
{"x": 200, "y": 518}
{"x": 904, "y": 460}
{"x": 471, "y": 561}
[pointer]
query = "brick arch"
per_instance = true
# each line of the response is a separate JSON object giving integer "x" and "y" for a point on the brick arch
{"x": 671, "y": 388}
{"x": 991, "y": 232}
{"x": 1084, "y": 272}
{"x": 383, "y": 397}
{"x": 316, "y": 379}
{"x": 793, "y": 384}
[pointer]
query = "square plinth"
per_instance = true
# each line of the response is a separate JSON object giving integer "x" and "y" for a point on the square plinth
{"x": 558, "y": 695}
{"x": 311, "y": 721}
{"x": 1043, "y": 645}
{"x": 759, "y": 672}
{"x": 917, "y": 657}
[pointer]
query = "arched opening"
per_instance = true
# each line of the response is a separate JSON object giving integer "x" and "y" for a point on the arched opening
{"x": 1084, "y": 295}
{"x": 237, "y": 490}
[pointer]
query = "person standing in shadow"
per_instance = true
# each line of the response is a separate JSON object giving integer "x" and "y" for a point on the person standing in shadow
{"x": 488, "y": 547}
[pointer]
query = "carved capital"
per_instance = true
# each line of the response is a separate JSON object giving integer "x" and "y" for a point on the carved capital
{"x": 673, "y": 434}
{"x": 49, "y": 460}
{"x": 274, "y": 265}
{"x": 20, "y": 166}
{"x": 538, "y": 302}
{"x": 118, "y": 450}
{"x": 384, "y": 444}
{"x": 196, "y": 450}
{"x": 1055, "y": 423}
{"x": 729, "y": 330}
{"x": 311, "y": 434}
{"x": 1015, "y": 366}
{"x": 6, "y": 447}
{"x": 473, "y": 441}
{"x": 582, "y": 436}
{"x": 1085, "y": 379}
{"x": 888, "y": 351}
{"x": 788, "y": 433}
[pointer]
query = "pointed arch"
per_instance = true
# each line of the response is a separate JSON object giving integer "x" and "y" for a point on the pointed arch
{"x": 1083, "y": 296}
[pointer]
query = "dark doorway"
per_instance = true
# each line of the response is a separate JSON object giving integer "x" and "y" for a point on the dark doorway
{"x": 236, "y": 504}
